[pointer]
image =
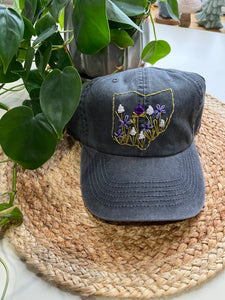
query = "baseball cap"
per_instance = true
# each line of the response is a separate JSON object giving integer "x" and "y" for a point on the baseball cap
{"x": 139, "y": 161}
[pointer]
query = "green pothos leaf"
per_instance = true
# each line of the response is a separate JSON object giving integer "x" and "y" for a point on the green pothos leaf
{"x": 27, "y": 139}
{"x": 91, "y": 29}
{"x": 11, "y": 34}
{"x": 155, "y": 50}
{"x": 172, "y": 8}
{"x": 9, "y": 212}
{"x": 59, "y": 97}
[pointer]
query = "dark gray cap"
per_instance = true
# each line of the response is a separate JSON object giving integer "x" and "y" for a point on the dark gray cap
{"x": 139, "y": 161}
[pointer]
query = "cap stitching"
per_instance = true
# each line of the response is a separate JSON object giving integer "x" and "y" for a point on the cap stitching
{"x": 175, "y": 202}
{"x": 148, "y": 196}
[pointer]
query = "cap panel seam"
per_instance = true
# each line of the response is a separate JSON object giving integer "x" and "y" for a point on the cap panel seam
{"x": 84, "y": 122}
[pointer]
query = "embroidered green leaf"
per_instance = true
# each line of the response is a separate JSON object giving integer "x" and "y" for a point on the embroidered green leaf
{"x": 59, "y": 97}
{"x": 155, "y": 50}
{"x": 91, "y": 29}
{"x": 27, "y": 139}
{"x": 121, "y": 38}
{"x": 11, "y": 29}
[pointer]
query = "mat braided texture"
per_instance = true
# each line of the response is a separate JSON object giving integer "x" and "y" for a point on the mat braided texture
{"x": 81, "y": 253}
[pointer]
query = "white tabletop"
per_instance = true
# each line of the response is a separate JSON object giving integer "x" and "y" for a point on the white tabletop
{"x": 192, "y": 50}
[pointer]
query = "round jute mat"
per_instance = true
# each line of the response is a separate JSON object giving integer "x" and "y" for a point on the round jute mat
{"x": 61, "y": 240}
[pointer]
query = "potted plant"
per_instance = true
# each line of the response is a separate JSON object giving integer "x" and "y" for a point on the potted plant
{"x": 32, "y": 49}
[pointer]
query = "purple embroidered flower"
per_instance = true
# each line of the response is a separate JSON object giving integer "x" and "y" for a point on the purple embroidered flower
{"x": 159, "y": 110}
{"x": 139, "y": 110}
{"x": 147, "y": 127}
{"x": 125, "y": 123}
{"x": 119, "y": 134}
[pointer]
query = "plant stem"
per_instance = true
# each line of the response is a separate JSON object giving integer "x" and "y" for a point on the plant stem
{"x": 6, "y": 193}
{"x": 65, "y": 31}
{"x": 7, "y": 278}
{"x": 12, "y": 89}
{"x": 123, "y": 62}
{"x": 13, "y": 185}
{"x": 4, "y": 161}
{"x": 3, "y": 106}
{"x": 153, "y": 25}
{"x": 4, "y": 221}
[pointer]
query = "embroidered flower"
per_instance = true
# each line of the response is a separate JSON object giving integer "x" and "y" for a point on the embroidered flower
{"x": 133, "y": 131}
{"x": 141, "y": 135}
{"x": 125, "y": 123}
{"x": 139, "y": 110}
{"x": 162, "y": 123}
{"x": 147, "y": 127}
{"x": 119, "y": 134}
{"x": 150, "y": 110}
{"x": 159, "y": 110}
{"x": 121, "y": 109}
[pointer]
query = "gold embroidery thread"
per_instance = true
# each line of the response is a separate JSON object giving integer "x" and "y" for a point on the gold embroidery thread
{"x": 144, "y": 125}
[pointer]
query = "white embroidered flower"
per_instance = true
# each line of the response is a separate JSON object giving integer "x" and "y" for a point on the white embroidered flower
{"x": 133, "y": 131}
{"x": 162, "y": 123}
{"x": 120, "y": 109}
{"x": 150, "y": 110}
{"x": 141, "y": 135}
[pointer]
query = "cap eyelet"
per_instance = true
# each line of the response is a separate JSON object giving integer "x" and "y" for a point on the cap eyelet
{"x": 115, "y": 80}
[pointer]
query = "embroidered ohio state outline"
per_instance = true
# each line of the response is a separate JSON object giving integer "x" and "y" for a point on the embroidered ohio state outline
{"x": 139, "y": 125}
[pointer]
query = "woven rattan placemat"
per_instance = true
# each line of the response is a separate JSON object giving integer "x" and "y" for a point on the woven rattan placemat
{"x": 60, "y": 239}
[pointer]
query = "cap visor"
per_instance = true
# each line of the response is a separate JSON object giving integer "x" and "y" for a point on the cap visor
{"x": 118, "y": 188}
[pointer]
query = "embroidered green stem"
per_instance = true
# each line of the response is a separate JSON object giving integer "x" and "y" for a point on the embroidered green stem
{"x": 7, "y": 278}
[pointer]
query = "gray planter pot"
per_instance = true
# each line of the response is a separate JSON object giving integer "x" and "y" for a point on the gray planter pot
{"x": 90, "y": 66}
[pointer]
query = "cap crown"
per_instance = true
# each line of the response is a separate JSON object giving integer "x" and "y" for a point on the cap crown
{"x": 140, "y": 112}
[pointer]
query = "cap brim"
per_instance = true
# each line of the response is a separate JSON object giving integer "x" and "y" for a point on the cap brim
{"x": 118, "y": 188}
